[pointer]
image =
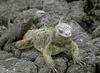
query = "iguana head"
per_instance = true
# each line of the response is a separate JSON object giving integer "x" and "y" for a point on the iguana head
{"x": 63, "y": 29}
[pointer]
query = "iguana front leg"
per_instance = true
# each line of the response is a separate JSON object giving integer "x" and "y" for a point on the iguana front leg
{"x": 76, "y": 54}
{"x": 47, "y": 54}
{"x": 47, "y": 57}
{"x": 74, "y": 50}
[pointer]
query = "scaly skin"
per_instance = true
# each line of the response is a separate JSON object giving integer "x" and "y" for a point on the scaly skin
{"x": 50, "y": 41}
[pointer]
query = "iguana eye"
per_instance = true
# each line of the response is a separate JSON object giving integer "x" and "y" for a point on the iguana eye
{"x": 61, "y": 31}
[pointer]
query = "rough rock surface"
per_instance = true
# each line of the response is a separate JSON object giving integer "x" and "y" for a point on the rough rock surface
{"x": 85, "y": 14}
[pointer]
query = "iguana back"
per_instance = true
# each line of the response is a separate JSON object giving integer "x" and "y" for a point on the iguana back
{"x": 40, "y": 37}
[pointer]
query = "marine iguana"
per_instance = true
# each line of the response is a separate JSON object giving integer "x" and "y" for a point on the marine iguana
{"x": 51, "y": 41}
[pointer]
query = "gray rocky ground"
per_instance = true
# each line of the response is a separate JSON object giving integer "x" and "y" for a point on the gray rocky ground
{"x": 86, "y": 18}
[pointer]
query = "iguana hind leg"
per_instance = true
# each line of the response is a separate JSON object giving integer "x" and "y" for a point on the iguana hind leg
{"x": 24, "y": 44}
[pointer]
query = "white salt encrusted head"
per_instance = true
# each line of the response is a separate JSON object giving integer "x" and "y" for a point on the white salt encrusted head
{"x": 64, "y": 29}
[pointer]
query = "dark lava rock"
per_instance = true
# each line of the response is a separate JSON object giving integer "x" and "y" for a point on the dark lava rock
{"x": 54, "y": 9}
{"x": 44, "y": 70}
{"x": 18, "y": 5}
{"x": 31, "y": 54}
{"x": 61, "y": 64}
{"x": 39, "y": 61}
{"x": 4, "y": 55}
{"x": 12, "y": 49}
{"x": 3, "y": 21}
{"x": 75, "y": 69}
{"x": 77, "y": 10}
{"x": 96, "y": 43}
{"x": 98, "y": 67}
{"x": 78, "y": 69}
{"x": 14, "y": 65}
{"x": 87, "y": 53}
{"x": 78, "y": 33}
{"x": 96, "y": 32}
{"x": 25, "y": 67}
{"x": 10, "y": 62}
{"x": 6, "y": 66}
{"x": 2, "y": 29}
{"x": 71, "y": 0}
{"x": 98, "y": 59}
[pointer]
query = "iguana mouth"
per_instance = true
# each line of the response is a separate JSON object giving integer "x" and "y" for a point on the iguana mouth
{"x": 66, "y": 35}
